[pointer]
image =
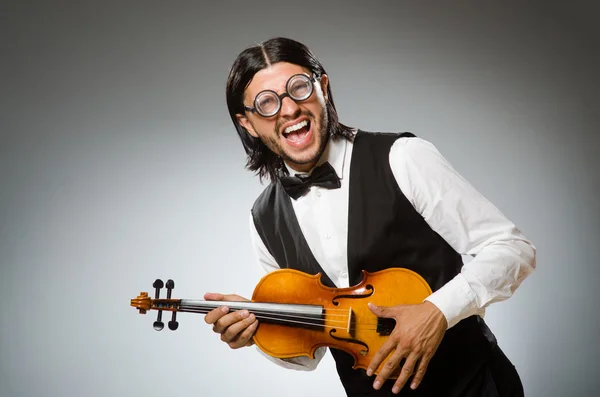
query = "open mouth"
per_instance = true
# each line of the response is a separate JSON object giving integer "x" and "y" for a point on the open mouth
{"x": 297, "y": 132}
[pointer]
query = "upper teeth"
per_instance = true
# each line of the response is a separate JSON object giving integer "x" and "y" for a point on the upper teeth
{"x": 296, "y": 126}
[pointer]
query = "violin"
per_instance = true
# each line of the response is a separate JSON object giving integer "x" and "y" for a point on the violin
{"x": 298, "y": 314}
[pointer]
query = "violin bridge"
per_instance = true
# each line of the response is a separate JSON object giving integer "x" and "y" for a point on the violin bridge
{"x": 351, "y": 322}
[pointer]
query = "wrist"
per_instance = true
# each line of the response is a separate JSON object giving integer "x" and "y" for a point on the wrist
{"x": 436, "y": 315}
{"x": 455, "y": 300}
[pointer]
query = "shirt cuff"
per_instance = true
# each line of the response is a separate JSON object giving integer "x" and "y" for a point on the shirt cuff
{"x": 455, "y": 300}
{"x": 302, "y": 363}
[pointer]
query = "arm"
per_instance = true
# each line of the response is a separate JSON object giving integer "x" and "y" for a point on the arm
{"x": 472, "y": 225}
{"x": 268, "y": 264}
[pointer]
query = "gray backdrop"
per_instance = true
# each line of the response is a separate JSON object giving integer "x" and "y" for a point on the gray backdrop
{"x": 119, "y": 164}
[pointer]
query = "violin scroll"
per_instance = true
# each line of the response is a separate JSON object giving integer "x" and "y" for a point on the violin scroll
{"x": 144, "y": 303}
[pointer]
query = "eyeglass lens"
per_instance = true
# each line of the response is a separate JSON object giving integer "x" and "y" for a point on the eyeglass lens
{"x": 299, "y": 88}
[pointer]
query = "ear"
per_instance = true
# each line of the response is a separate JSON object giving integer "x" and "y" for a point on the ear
{"x": 324, "y": 84}
{"x": 243, "y": 120}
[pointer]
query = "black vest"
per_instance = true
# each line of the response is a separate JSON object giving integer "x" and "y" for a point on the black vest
{"x": 384, "y": 230}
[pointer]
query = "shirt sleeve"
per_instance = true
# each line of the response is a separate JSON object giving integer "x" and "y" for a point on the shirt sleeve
{"x": 502, "y": 256}
{"x": 268, "y": 263}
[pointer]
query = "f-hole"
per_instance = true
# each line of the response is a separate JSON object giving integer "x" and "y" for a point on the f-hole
{"x": 369, "y": 291}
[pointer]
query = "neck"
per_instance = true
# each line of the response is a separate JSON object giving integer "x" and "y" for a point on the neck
{"x": 302, "y": 167}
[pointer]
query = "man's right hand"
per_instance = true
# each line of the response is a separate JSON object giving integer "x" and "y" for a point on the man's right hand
{"x": 236, "y": 328}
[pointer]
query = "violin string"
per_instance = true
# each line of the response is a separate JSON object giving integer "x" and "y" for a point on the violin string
{"x": 282, "y": 317}
{"x": 325, "y": 315}
{"x": 261, "y": 316}
{"x": 290, "y": 315}
{"x": 344, "y": 319}
{"x": 210, "y": 305}
{"x": 265, "y": 317}
{"x": 218, "y": 304}
{"x": 295, "y": 319}
{"x": 327, "y": 310}
{"x": 209, "y": 308}
{"x": 323, "y": 325}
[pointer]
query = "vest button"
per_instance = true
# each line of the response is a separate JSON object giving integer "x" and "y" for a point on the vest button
{"x": 344, "y": 274}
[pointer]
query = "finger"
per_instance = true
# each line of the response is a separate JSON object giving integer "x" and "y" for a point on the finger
{"x": 214, "y": 315}
{"x": 420, "y": 373}
{"x": 213, "y": 296}
{"x": 405, "y": 372}
{"x": 231, "y": 318}
{"x": 380, "y": 355}
{"x": 388, "y": 367}
{"x": 379, "y": 311}
{"x": 245, "y": 338}
{"x": 232, "y": 332}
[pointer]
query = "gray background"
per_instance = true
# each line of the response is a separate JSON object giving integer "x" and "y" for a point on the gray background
{"x": 118, "y": 165}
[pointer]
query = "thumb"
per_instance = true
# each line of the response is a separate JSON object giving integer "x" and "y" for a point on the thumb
{"x": 380, "y": 311}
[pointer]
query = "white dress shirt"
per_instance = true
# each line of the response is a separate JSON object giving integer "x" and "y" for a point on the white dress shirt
{"x": 502, "y": 256}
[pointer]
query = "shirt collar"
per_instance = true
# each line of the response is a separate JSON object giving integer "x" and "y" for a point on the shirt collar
{"x": 334, "y": 153}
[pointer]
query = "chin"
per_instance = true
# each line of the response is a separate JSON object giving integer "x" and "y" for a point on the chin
{"x": 308, "y": 156}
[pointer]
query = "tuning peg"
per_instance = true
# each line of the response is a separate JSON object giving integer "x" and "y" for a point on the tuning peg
{"x": 158, "y": 324}
{"x": 170, "y": 285}
{"x": 158, "y": 284}
{"x": 173, "y": 324}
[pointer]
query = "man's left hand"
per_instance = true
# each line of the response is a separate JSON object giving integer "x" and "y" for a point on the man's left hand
{"x": 418, "y": 333}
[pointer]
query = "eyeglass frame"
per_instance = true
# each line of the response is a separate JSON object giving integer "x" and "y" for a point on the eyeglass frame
{"x": 312, "y": 80}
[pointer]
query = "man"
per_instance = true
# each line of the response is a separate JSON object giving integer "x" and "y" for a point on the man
{"x": 372, "y": 201}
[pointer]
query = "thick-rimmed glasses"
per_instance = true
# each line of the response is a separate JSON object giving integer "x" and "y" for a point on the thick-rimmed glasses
{"x": 268, "y": 103}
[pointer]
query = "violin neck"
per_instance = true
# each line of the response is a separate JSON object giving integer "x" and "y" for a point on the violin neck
{"x": 281, "y": 313}
{"x": 201, "y": 306}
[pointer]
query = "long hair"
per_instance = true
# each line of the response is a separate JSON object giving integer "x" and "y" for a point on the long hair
{"x": 252, "y": 60}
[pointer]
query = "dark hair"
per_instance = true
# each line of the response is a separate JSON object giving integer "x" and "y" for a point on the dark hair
{"x": 248, "y": 63}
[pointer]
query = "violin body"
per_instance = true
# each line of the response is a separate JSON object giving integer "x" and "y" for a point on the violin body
{"x": 297, "y": 314}
{"x": 347, "y": 322}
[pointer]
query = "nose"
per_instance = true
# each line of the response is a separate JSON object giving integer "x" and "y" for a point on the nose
{"x": 289, "y": 108}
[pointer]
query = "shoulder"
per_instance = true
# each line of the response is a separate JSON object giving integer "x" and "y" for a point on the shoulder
{"x": 423, "y": 174}
{"x": 380, "y": 137}
{"x": 413, "y": 151}
{"x": 369, "y": 143}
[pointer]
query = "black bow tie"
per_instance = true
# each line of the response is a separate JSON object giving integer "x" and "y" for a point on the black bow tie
{"x": 323, "y": 176}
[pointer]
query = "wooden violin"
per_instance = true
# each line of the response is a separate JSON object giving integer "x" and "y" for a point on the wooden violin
{"x": 298, "y": 314}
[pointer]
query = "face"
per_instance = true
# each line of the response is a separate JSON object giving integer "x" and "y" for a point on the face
{"x": 298, "y": 133}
